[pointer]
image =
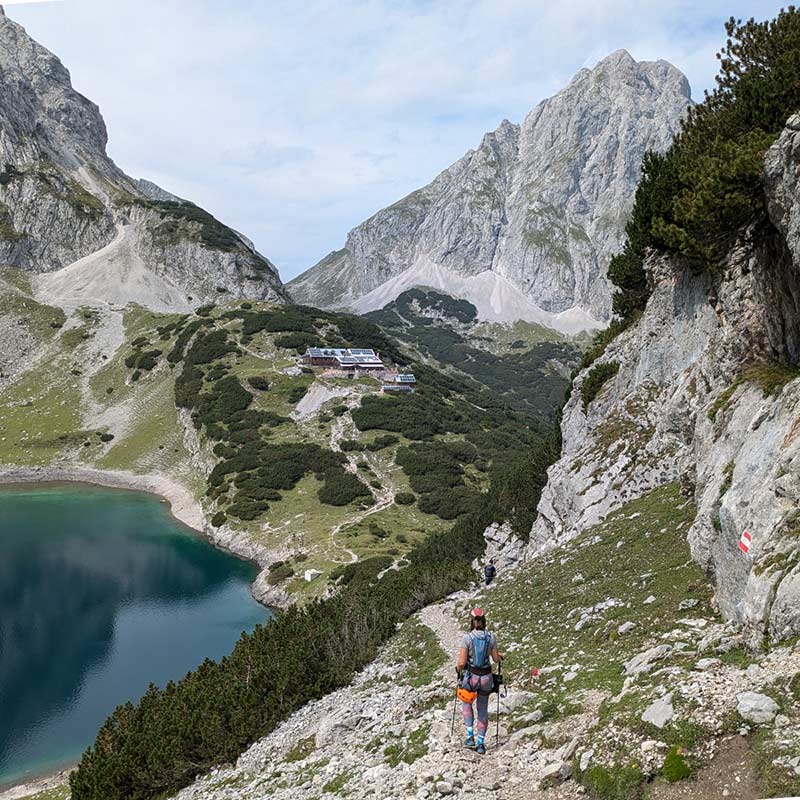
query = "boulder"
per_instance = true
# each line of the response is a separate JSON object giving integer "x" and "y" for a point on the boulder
{"x": 659, "y": 712}
{"x": 514, "y": 700}
{"x": 555, "y": 773}
{"x": 757, "y": 708}
{"x": 705, "y": 664}
{"x": 643, "y": 662}
{"x": 569, "y": 749}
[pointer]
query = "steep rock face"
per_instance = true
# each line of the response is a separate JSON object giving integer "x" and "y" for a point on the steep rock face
{"x": 525, "y": 225}
{"x": 63, "y": 200}
{"x": 687, "y": 405}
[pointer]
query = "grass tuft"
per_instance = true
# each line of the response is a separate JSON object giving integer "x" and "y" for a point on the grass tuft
{"x": 771, "y": 377}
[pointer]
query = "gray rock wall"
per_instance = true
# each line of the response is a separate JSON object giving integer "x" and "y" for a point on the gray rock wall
{"x": 685, "y": 406}
{"x": 62, "y": 199}
{"x": 540, "y": 207}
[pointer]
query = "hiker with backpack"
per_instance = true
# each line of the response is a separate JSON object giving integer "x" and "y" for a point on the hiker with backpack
{"x": 489, "y": 571}
{"x": 476, "y": 681}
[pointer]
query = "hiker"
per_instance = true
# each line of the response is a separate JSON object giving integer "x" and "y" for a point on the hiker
{"x": 475, "y": 678}
{"x": 489, "y": 571}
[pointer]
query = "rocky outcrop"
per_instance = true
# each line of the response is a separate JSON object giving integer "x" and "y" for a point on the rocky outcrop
{"x": 525, "y": 225}
{"x": 62, "y": 200}
{"x": 686, "y": 404}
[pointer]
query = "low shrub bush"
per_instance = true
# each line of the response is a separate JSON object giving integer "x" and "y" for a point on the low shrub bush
{"x": 341, "y": 488}
{"x": 259, "y": 382}
{"x": 382, "y": 442}
{"x": 675, "y": 767}
{"x": 598, "y": 376}
{"x": 296, "y": 394}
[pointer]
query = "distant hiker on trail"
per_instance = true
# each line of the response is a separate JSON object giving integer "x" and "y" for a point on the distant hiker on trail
{"x": 489, "y": 571}
{"x": 475, "y": 679}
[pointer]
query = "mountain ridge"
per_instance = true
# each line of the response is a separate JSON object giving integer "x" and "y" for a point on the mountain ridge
{"x": 63, "y": 200}
{"x": 524, "y": 225}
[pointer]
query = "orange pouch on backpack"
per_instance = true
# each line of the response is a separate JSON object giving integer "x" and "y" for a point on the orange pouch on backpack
{"x": 466, "y": 696}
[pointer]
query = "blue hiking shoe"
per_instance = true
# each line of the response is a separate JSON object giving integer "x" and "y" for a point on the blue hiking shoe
{"x": 470, "y": 741}
{"x": 480, "y": 749}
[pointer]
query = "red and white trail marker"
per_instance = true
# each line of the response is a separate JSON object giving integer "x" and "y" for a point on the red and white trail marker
{"x": 745, "y": 541}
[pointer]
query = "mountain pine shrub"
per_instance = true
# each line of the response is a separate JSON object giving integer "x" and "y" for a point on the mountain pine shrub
{"x": 707, "y": 191}
{"x": 598, "y": 376}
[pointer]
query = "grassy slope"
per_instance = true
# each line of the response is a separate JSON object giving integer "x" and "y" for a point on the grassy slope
{"x": 636, "y": 553}
{"x": 51, "y": 416}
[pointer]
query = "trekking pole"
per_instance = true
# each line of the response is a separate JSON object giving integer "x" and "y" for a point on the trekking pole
{"x": 497, "y": 720}
{"x": 500, "y": 686}
{"x": 497, "y": 724}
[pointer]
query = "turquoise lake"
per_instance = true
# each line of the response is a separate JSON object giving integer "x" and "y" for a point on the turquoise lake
{"x": 101, "y": 593}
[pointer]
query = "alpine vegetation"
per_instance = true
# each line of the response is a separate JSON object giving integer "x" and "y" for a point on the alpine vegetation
{"x": 451, "y": 481}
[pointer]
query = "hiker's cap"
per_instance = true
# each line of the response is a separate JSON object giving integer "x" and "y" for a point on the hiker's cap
{"x": 476, "y": 612}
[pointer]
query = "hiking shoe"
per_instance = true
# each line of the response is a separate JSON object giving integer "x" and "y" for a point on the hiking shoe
{"x": 480, "y": 749}
{"x": 470, "y": 741}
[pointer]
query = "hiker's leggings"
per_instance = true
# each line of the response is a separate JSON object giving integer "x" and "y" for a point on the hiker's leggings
{"x": 482, "y": 684}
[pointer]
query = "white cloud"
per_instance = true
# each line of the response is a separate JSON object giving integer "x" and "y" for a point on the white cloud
{"x": 293, "y": 122}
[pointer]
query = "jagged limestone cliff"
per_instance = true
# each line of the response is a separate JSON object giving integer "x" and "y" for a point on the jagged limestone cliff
{"x": 525, "y": 225}
{"x": 704, "y": 394}
{"x": 67, "y": 210}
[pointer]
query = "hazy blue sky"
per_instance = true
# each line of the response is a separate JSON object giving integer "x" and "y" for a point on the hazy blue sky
{"x": 294, "y": 121}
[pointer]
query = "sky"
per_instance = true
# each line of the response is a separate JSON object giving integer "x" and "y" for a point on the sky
{"x": 294, "y": 121}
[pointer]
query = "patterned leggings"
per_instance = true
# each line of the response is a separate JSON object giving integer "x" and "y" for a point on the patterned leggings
{"x": 482, "y": 684}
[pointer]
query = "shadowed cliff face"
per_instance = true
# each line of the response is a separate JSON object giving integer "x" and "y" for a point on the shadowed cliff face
{"x": 101, "y": 592}
{"x": 531, "y": 218}
{"x": 62, "y": 199}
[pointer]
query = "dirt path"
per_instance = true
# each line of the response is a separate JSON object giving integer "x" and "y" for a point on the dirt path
{"x": 341, "y": 429}
{"x": 441, "y": 620}
{"x": 729, "y": 775}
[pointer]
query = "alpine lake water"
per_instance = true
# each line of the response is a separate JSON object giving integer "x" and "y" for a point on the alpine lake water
{"x": 101, "y": 593}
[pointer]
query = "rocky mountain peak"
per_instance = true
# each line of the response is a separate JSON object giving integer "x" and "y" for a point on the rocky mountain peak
{"x": 620, "y": 70}
{"x": 66, "y": 209}
{"x": 40, "y": 112}
{"x": 525, "y": 225}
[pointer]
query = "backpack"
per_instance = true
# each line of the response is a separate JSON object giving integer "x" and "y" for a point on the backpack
{"x": 480, "y": 645}
{"x": 489, "y": 570}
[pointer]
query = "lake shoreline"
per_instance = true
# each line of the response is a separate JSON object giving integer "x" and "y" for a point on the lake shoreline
{"x": 45, "y": 781}
{"x": 183, "y": 506}
{"x": 185, "y": 509}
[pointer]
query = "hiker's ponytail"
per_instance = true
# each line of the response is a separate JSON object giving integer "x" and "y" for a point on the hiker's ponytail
{"x": 477, "y": 623}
